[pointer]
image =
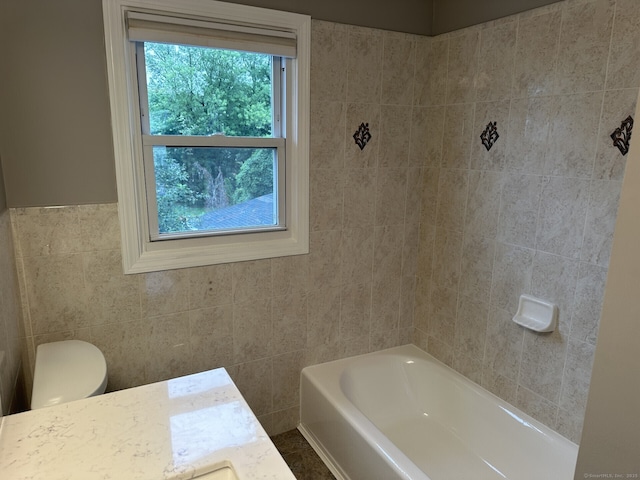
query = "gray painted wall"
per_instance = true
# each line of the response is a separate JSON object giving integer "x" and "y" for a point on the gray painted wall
{"x": 449, "y": 15}
{"x": 424, "y": 17}
{"x": 3, "y": 197}
{"x": 411, "y": 16}
{"x": 55, "y": 133}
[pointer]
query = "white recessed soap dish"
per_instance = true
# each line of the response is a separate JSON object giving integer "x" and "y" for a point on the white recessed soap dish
{"x": 536, "y": 314}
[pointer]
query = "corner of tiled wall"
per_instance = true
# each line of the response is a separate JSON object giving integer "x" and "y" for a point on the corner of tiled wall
{"x": 534, "y": 214}
{"x": 11, "y": 324}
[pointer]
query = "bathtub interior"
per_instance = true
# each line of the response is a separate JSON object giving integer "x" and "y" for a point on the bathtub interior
{"x": 447, "y": 426}
{"x": 348, "y": 443}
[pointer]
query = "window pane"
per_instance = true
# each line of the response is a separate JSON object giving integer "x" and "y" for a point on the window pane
{"x": 215, "y": 188}
{"x": 208, "y": 91}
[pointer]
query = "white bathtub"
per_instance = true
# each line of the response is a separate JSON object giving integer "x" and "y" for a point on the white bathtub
{"x": 401, "y": 414}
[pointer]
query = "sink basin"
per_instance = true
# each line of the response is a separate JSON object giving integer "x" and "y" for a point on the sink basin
{"x": 222, "y": 473}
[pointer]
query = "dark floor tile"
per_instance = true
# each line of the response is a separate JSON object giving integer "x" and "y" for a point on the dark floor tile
{"x": 307, "y": 467}
{"x": 300, "y": 457}
{"x": 289, "y": 442}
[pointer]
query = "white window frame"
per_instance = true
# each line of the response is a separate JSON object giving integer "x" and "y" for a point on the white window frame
{"x": 139, "y": 253}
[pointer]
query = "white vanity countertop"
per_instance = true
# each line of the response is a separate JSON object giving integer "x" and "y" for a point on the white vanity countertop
{"x": 177, "y": 429}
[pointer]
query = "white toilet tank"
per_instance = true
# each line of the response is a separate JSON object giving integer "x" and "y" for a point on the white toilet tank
{"x": 67, "y": 371}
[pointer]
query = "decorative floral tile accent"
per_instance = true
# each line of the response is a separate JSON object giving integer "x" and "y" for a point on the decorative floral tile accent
{"x": 621, "y": 136}
{"x": 490, "y": 135}
{"x": 362, "y": 135}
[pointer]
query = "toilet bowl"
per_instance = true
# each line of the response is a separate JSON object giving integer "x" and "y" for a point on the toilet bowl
{"x": 67, "y": 371}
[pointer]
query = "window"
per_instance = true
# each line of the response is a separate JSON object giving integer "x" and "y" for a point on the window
{"x": 211, "y": 137}
{"x": 209, "y": 106}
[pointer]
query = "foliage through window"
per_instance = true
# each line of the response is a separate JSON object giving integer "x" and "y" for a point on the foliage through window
{"x": 191, "y": 91}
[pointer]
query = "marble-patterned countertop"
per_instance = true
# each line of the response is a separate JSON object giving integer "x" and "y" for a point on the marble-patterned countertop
{"x": 177, "y": 429}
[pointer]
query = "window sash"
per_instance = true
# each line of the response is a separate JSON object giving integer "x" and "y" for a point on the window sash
{"x": 150, "y": 183}
{"x": 212, "y": 141}
{"x": 278, "y": 93}
{"x": 149, "y": 141}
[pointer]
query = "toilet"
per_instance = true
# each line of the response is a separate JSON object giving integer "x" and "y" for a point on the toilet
{"x": 67, "y": 371}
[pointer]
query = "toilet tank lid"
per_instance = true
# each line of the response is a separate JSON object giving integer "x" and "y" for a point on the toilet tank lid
{"x": 65, "y": 371}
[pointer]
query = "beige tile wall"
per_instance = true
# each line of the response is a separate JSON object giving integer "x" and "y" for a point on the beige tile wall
{"x": 262, "y": 320}
{"x": 11, "y": 324}
{"x": 424, "y": 219}
{"x": 536, "y": 213}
